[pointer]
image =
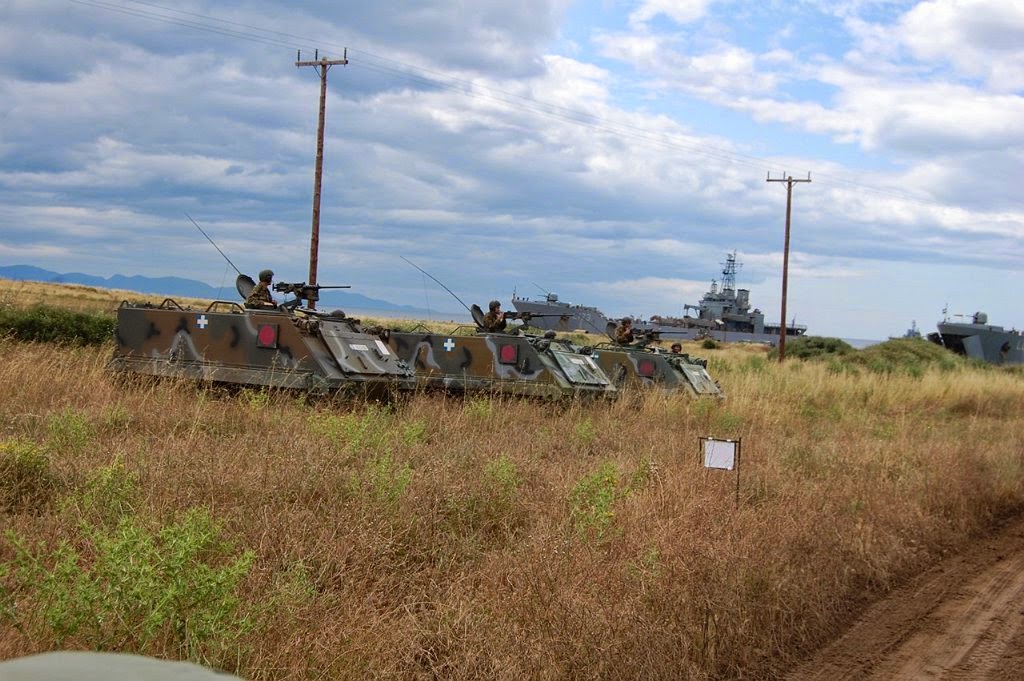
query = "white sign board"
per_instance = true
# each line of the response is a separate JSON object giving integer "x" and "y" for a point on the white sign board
{"x": 719, "y": 454}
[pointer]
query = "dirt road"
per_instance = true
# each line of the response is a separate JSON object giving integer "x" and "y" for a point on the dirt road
{"x": 964, "y": 619}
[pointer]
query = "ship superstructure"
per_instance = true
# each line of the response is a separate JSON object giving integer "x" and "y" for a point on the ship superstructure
{"x": 724, "y": 313}
{"x": 979, "y": 339}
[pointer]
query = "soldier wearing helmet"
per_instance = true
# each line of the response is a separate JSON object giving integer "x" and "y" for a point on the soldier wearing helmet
{"x": 495, "y": 320}
{"x": 260, "y": 296}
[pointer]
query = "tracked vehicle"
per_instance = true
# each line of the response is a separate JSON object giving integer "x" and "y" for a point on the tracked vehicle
{"x": 501, "y": 363}
{"x": 644, "y": 367}
{"x": 284, "y": 346}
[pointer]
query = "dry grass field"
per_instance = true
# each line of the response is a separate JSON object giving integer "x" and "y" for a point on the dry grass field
{"x": 484, "y": 537}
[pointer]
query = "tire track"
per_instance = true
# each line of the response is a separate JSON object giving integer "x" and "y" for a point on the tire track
{"x": 963, "y": 619}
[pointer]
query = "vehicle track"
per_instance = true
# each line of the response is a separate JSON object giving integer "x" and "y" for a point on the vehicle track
{"x": 963, "y": 619}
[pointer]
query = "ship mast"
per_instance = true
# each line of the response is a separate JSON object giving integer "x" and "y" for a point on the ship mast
{"x": 729, "y": 272}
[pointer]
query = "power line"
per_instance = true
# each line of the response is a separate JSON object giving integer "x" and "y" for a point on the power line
{"x": 475, "y": 90}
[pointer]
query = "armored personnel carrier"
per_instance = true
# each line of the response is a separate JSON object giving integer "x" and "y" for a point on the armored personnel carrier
{"x": 654, "y": 369}
{"x": 544, "y": 366}
{"x": 640, "y": 364}
{"x": 283, "y": 346}
{"x": 509, "y": 363}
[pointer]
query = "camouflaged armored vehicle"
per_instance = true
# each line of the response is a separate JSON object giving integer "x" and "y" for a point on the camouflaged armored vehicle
{"x": 283, "y": 346}
{"x": 501, "y": 362}
{"x": 641, "y": 365}
{"x": 650, "y": 368}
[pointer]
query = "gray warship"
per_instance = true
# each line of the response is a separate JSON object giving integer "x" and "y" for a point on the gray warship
{"x": 980, "y": 340}
{"x": 723, "y": 314}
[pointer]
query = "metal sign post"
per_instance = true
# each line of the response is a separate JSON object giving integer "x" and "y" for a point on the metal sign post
{"x": 723, "y": 455}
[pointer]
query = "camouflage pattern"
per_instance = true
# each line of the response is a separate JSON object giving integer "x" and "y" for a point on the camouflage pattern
{"x": 654, "y": 368}
{"x": 501, "y": 363}
{"x": 268, "y": 347}
{"x": 260, "y": 296}
{"x": 624, "y": 334}
{"x": 492, "y": 323}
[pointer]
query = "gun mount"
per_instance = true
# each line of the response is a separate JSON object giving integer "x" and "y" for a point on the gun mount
{"x": 302, "y": 291}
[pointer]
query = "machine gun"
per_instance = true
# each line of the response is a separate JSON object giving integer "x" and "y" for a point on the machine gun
{"x": 302, "y": 292}
{"x": 525, "y": 317}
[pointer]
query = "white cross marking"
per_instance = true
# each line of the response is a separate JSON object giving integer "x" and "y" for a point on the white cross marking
{"x": 449, "y": 344}
{"x": 202, "y": 321}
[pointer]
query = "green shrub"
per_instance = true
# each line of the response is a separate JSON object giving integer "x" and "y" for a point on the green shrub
{"x": 256, "y": 399}
{"x": 480, "y": 408}
{"x": 591, "y": 502}
{"x": 907, "y": 355}
{"x": 754, "y": 364}
{"x": 728, "y": 422}
{"x": 709, "y": 344}
{"x": 813, "y": 347}
{"x": 382, "y": 480}
{"x": 132, "y": 587}
{"x": 586, "y": 433}
{"x": 355, "y": 432}
{"x": 414, "y": 432}
{"x": 68, "y": 431}
{"x": 56, "y": 325}
{"x": 489, "y": 509}
{"x": 26, "y": 481}
{"x": 109, "y": 494}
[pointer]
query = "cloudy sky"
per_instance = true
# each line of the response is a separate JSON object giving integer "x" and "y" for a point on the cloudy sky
{"x": 612, "y": 152}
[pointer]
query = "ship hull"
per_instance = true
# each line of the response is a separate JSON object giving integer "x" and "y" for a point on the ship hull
{"x": 567, "y": 318}
{"x": 991, "y": 344}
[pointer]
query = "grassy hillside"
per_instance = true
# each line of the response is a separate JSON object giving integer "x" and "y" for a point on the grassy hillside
{"x": 485, "y": 537}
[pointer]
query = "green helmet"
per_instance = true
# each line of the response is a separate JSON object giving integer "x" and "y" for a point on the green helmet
{"x": 266, "y": 275}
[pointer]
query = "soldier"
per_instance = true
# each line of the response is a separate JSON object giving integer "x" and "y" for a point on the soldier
{"x": 624, "y": 332}
{"x": 260, "y": 296}
{"x": 677, "y": 348}
{"x": 495, "y": 320}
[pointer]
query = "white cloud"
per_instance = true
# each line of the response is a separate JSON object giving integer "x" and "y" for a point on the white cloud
{"x": 679, "y": 11}
{"x": 728, "y": 70}
{"x": 980, "y": 38}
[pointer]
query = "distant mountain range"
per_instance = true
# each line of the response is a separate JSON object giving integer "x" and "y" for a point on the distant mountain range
{"x": 177, "y": 286}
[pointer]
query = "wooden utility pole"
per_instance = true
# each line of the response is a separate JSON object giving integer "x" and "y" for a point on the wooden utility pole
{"x": 323, "y": 64}
{"x": 785, "y": 256}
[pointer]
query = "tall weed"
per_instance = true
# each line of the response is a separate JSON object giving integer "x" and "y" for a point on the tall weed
{"x": 135, "y": 587}
{"x": 27, "y": 481}
{"x": 592, "y": 501}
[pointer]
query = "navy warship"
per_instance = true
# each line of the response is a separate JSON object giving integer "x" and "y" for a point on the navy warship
{"x": 979, "y": 340}
{"x": 723, "y": 314}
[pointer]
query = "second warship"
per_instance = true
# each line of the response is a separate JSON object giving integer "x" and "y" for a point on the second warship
{"x": 723, "y": 314}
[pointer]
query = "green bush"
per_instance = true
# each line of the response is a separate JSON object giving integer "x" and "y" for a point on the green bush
{"x": 490, "y": 510}
{"x": 382, "y": 480}
{"x": 68, "y": 431}
{"x": 133, "y": 587}
{"x": 109, "y": 495}
{"x": 907, "y": 355}
{"x": 813, "y": 347}
{"x": 26, "y": 481}
{"x": 592, "y": 501}
{"x": 355, "y": 433}
{"x": 709, "y": 344}
{"x": 586, "y": 432}
{"x": 56, "y": 325}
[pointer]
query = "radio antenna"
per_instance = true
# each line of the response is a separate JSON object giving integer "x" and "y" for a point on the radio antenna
{"x": 214, "y": 245}
{"x": 437, "y": 282}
